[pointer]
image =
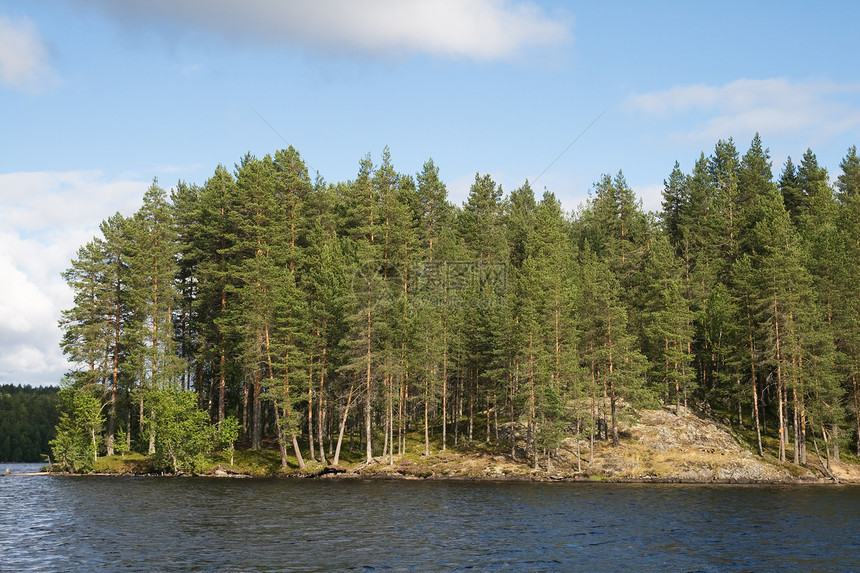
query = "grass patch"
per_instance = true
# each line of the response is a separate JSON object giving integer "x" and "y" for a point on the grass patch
{"x": 132, "y": 463}
{"x": 263, "y": 462}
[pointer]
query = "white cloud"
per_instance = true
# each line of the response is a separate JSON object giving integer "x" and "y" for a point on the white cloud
{"x": 22, "y": 303}
{"x": 651, "y": 197}
{"x": 30, "y": 360}
{"x": 477, "y": 29}
{"x": 52, "y": 201}
{"x": 44, "y": 218}
{"x": 774, "y": 107}
{"x": 23, "y": 56}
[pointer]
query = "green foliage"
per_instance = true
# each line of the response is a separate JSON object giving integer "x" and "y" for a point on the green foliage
{"x": 27, "y": 419}
{"x": 121, "y": 446}
{"x": 271, "y": 305}
{"x": 183, "y": 436}
{"x": 76, "y": 445}
{"x": 227, "y": 434}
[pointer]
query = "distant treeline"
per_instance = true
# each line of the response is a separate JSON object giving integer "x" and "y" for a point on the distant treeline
{"x": 28, "y": 417}
{"x": 304, "y": 310}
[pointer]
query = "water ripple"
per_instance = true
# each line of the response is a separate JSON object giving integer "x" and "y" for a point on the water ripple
{"x": 194, "y": 524}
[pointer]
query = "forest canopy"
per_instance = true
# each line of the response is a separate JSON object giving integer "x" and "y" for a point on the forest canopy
{"x": 27, "y": 419}
{"x": 296, "y": 310}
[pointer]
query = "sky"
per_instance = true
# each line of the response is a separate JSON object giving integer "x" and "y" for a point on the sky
{"x": 98, "y": 98}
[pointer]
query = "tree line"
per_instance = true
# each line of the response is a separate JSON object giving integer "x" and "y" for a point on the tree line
{"x": 299, "y": 311}
{"x": 27, "y": 419}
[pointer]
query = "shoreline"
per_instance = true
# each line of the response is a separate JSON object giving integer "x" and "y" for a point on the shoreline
{"x": 658, "y": 447}
{"x": 397, "y": 476}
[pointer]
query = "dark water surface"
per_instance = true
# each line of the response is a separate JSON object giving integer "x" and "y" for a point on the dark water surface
{"x": 56, "y": 523}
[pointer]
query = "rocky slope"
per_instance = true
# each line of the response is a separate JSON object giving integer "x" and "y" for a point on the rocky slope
{"x": 660, "y": 446}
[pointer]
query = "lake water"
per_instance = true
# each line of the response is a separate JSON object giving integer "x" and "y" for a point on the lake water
{"x": 58, "y": 523}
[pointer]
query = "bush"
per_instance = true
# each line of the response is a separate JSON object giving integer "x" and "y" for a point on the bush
{"x": 76, "y": 445}
{"x": 183, "y": 436}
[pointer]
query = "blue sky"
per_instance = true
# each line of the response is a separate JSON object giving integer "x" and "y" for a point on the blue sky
{"x": 97, "y": 97}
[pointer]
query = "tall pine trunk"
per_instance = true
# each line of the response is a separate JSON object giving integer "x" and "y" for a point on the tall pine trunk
{"x": 779, "y": 385}
{"x": 369, "y": 397}
{"x": 321, "y": 407}
{"x": 343, "y": 420}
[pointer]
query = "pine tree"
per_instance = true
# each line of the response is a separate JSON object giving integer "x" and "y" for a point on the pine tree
{"x": 434, "y": 314}
{"x": 360, "y": 215}
{"x": 259, "y": 262}
{"x": 153, "y": 292}
{"x": 546, "y": 296}
{"x": 848, "y": 196}
{"x": 608, "y": 350}
{"x": 676, "y": 200}
{"x": 785, "y": 311}
{"x": 84, "y": 325}
{"x": 620, "y": 235}
{"x": 90, "y": 331}
{"x": 400, "y": 254}
{"x": 185, "y": 201}
{"x": 748, "y": 358}
{"x": 115, "y": 231}
{"x": 288, "y": 359}
{"x": 755, "y": 186}
{"x": 327, "y": 286}
{"x": 789, "y": 187}
{"x": 823, "y": 246}
{"x": 698, "y": 249}
{"x": 668, "y": 324}
{"x": 213, "y": 247}
{"x": 485, "y": 277}
{"x": 724, "y": 167}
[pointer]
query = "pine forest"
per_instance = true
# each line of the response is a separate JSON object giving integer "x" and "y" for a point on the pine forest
{"x": 271, "y": 309}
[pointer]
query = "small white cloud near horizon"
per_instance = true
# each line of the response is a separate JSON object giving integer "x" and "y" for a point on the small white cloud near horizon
{"x": 24, "y": 57}
{"x": 775, "y": 106}
{"x": 482, "y": 30}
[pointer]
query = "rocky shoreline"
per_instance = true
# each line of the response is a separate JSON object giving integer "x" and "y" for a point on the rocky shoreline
{"x": 660, "y": 447}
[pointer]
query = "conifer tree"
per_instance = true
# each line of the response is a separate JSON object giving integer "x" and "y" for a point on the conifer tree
{"x": 668, "y": 324}
{"x": 84, "y": 325}
{"x": 213, "y": 248}
{"x": 400, "y": 255}
{"x": 152, "y": 260}
{"x": 608, "y": 350}
{"x": 676, "y": 200}
{"x": 360, "y": 214}
{"x": 545, "y": 318}
{"x": 115, "y": 231}
{"x": 786, "y": 312}
{"x": 755, "y": 187}
{"x": 433, "y": 312}
{"x": 698, "y": 248}
{"x": 287, "y": 364}
{"x": 327, "y": 286}
{"x": 259, "y": 263}
{"x": 486, "y": 278}
{"x": 185, "y": 201}
{"x": 823, "y": 247}
{"x": 789, "y": 187}
{"x": 848, "y": 196}
{"x": 724, "y": 168}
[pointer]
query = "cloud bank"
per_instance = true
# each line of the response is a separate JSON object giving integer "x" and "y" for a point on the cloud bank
{"x": 23, "y": 56}
{"x": 46, "y": 217}
{"x": 776, "y": 106}
{"x": 475, "y": 29}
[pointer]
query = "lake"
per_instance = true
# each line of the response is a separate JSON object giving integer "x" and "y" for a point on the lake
{"x": 69, "y": 523}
